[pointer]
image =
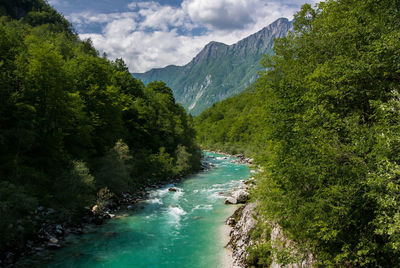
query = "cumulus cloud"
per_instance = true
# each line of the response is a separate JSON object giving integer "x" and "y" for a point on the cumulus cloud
{"x": 223, "y": 14}
{"x": 162, "y": 17}
{"x": 90, "y": 18}
{"x": 152, "y": 35}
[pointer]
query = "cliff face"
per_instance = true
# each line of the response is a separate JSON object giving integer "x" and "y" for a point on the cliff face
{"x": 219, "y": 71}
{"x": 243, "y": 223}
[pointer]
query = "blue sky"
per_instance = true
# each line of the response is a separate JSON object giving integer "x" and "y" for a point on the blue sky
{"x": 152, "y": 34}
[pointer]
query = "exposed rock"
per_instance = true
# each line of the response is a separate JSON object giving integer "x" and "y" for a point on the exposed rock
{"x": 94, "y": 208}
{"x": 53, "y": 243}
{"x": 243, "y": 222}
{"x": 241, "y": 196}
{"x": 53, "y": 240}
{"x": 230, "y": 200}
{"x": 278, "y": 239}
{"x": 206, "y": 165}
{"x": 110, "y": 215}
{"x": 230, "y": 221}
{"x": 172, "y": 189}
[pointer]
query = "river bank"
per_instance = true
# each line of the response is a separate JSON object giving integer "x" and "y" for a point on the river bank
{"x": 239, "y": 158}
{"x": 225, "y": 230}
{"x": 242, "y": 220}
{"x": 193, "y": 209}
{"x": 53, "y": 231}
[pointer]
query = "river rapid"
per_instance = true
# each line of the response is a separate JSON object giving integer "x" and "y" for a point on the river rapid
{"x": 169, "y": 229}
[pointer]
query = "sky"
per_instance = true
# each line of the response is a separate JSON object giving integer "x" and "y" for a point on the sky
{"x": 154, "y": 34}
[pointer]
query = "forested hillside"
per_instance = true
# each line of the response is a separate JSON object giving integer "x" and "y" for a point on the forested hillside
{"x": 73, "y": 124}
{"x": 235, "y": 125}
{"x": 325, "y": 125}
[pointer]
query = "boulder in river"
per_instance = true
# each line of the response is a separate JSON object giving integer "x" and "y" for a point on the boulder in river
{"x": 53, "y": 243}
{"x": 94, "y": 208}
{"x": 241, "y": 196}
{"x": 53, "y": 240}
{"x": 172, "y": 189}
{"x": 230, "y": 200}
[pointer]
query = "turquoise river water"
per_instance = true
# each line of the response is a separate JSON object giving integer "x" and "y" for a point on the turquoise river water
{"x": 170, "y": 229}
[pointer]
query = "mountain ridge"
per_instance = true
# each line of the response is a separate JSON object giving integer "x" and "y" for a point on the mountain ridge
{"x": 219, "y": 70}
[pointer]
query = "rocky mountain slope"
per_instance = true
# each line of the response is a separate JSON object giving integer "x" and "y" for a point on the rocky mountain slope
{"x": 219, "y": 70}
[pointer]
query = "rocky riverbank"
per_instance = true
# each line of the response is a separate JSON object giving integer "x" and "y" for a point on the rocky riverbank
{"x": 243, "y": 221}
{"x": 240, "y": 158}
{"x": 53, "y": 227}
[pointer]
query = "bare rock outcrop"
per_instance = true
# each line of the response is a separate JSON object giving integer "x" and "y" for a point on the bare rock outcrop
{"x": 242, "y": 222}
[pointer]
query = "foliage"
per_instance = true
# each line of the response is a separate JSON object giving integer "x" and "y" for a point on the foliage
{"x": 103, "y": 196}
{"x": 235, "y": 125}
{"x": 72, "y": 122}
{"x": 330, "y": 132}
{"x": 14, "y": 220}
{"x": 260, "y": 252}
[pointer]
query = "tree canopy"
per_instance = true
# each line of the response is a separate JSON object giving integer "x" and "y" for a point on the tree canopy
{"x": 330, "y": 135}
{"x": 73, "y": 123}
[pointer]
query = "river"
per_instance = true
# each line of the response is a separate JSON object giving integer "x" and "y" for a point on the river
{"x": 170, "y": 229}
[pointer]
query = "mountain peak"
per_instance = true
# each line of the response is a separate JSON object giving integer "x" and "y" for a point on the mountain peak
{"x": 264, "y": 38}
{"x": 278, "y": 22}
{"x": 211, "y": 50}
{"x": 219, "y": 70}
{"x": 214, "y": 44}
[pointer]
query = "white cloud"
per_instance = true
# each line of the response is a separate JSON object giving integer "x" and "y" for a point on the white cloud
{"x": 88, "y": 18}
{"x": 163, "y": 17}
{"x": 120, "y": 28}
{"x": 222, "y": 14}
{"x": 152, "y": 35}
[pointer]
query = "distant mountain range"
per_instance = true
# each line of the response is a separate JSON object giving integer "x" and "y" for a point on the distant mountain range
{"x": 219, "y": 71}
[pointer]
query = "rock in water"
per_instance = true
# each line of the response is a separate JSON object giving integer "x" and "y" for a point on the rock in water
{"x": 53, "y": 243}
{"x": 172, "y": 189}
{"x": 94, "y": 208}
{"x": 241, "y": 196}
{"x": 230, "y": 200}
{"x": 53, "y": 240}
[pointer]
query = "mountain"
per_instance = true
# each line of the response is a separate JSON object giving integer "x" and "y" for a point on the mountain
{"x": 219, "y": 70}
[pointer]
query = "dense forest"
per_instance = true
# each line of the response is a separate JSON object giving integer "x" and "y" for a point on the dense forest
{"x": 74, "y": 124}
{"x": 324, "y": 122}
{"x": 235, "y": 125}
